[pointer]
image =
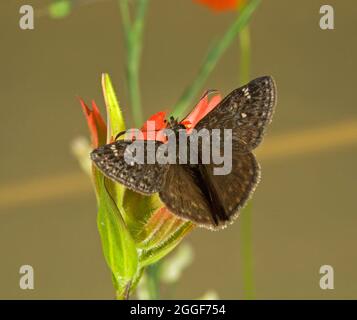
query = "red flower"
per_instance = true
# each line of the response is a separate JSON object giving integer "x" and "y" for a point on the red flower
{"x": 98, "y": 128}
{"x": 221, "y": 5}
{"x": 156, "y": 122}
{"x": 201, "y": 110}
{"x": 154, "y": 126}
{"x": 96, "y": 124}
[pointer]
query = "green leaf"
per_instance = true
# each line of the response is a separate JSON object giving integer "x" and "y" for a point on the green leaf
{"x": 116, "y": 122}
{"x": 154, "y": 254}
{"x": 118, "y": 246}
{"x": 161, "y": 225}
{"x": 138, "y": 211}
{"x": 60, "y": 9}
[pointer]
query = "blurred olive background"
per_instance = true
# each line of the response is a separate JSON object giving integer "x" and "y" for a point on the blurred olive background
{"x": 304, "y": 208}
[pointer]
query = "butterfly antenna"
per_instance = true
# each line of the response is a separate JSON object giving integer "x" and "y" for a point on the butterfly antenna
{"x": 119, "y": 134}
{"x": 208, "y": 92}
{"x": 125, "y": 131}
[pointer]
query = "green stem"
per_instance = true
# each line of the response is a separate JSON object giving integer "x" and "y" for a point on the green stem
{"x": 213, "y": 57}
{"x": 245, "y": 54}
{"x": 153, "y": 280}
{"x": 133, "y": 38}
{"x": 125, "y": 16}
{"x": 246, "y": 221}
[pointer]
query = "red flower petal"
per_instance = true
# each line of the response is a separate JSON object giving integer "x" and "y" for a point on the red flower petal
{"x": 102, "y": 127}
{"x": 153, "y": 127}
{"x": 221, "y": 5}
{"x": 200, "y": 111}
{"x": 159, "y": 120}
{"x": 96, "y": 124}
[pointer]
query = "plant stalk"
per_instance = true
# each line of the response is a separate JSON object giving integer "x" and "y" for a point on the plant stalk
{"x": 133, "y": 31}
{"x": 213, "y": 57}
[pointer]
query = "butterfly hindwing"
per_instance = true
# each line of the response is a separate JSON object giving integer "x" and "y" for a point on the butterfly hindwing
{"x": 144, "y": 178}
{"x": 234, "y": 189}
{"x": 211, "y": 201}
{"x": 182, "y": 195}
{"x": 246, "y": 110}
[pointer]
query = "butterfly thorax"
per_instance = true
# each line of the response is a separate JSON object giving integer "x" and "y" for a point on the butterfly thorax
{"x": 174, "y": 124}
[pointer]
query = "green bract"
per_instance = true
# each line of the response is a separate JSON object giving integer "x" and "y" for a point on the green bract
{"x": 135, "y": 230}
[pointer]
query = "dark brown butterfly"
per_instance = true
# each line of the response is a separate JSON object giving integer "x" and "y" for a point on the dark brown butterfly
{"x": 192, "y": 191}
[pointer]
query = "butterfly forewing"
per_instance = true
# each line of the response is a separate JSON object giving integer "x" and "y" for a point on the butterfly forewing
{"x": 247, "y": 111}
{"x": 140, "y": 177}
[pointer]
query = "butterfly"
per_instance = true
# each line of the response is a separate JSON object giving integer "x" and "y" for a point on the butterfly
{"x": 192, "y": 191}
